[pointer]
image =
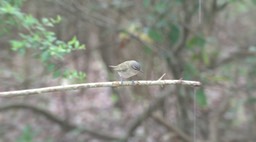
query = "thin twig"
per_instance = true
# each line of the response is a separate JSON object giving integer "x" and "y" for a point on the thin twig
{"x": 162, "y": 76}
{"x": 96, "y": 85}
{"x": 161, "y": 79}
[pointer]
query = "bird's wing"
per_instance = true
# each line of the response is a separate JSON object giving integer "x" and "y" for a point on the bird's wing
{"x": 120, "y": 68}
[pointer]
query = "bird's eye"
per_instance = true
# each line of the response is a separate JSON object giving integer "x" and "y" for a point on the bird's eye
{"x": 136, "y": 67}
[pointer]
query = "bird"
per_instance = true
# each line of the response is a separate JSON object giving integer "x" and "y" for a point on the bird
{"x": 127, "y": 69}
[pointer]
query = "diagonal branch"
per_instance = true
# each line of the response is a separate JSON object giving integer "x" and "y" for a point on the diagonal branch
{"x": 65, "y": 125}
{"x": 142, "y": 117}
{"x": 97, "y": 85}
{"x": 170, "y": 127}
{"x": 45, "y": 113}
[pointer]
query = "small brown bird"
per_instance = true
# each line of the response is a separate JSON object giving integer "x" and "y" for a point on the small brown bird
{"x": 127, "y": 69}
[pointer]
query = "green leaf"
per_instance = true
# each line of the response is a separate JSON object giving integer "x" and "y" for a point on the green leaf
{"x": 47, "y": 22}
{"x": 27, "y": 135}
{"x": 205, "y": 56}
{"x": 147, "y": 50}
{"x": 174, "y": 34}
{"x": 196, "y": 41}
{"x": 57, "y": 73}
{"x": 16, "y": 45}
{"x": 114, "y": 98}
{"x": 17, "y": 3}
{"x": 154, "y": 34}
{"x": 74, "y": 75}
{"x": 81, "y": 46}
{"x": 37, "y": 37}
{"x": 57, "y": 20}
{"x": 201, "y": 98}
{"x": 72, "y": 41}
{"x": 190, "y": 71}
{"x": 76, "y": 44}
{"x": 29, "y": 21}
{"x": 7, "y": 9}
{"x": 45, "y": 56}
{"x": 50, "y": 67}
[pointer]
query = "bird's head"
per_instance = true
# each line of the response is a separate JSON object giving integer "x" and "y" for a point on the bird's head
{"x": 136, "y": 66}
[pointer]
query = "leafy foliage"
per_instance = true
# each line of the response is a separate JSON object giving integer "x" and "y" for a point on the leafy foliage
{"x": 196, "y": 41}
{"x": 37, "y": 37}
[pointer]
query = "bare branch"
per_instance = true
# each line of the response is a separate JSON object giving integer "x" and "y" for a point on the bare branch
{"x": 65, "y": 125}
{"x": 142, "y": 117}
{"x": 188, "y": 8}
{"x": 170, "y": 127}
{"x": 40, "y": 111}
{"x": 96, "y": 85}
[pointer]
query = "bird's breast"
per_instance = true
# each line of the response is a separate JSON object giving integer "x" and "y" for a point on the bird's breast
{"x": 128, "y": 73}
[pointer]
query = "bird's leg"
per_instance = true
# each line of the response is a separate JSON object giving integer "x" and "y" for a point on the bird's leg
{"x": 133, "y": 83}
{"x": 122, "y": 82}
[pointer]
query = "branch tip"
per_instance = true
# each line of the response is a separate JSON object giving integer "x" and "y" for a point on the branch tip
{"x": 162, "y": 76}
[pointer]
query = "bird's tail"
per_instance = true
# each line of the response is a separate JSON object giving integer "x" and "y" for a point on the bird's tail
{"x": 115, "y": 68}
{"x": 112, "y": 66}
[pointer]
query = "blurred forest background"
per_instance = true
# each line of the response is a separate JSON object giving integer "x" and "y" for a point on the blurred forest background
{"x": 57, "y": 42}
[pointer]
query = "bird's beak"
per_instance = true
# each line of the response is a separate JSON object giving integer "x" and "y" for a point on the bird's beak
{"x": 141, "y": 71}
